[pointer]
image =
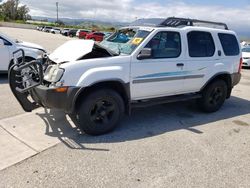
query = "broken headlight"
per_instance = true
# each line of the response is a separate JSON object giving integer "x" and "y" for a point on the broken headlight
{"x": 53, "y": 73}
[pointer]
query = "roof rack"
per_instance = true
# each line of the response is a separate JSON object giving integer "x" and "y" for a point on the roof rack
{"x": 175, "y": 22}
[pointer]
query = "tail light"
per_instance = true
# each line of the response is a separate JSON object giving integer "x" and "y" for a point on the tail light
{"x": 240, "y": 65}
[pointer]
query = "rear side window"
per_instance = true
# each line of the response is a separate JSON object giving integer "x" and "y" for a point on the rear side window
{"x": 229, "y": 44}
{"x": 200, "y": 44}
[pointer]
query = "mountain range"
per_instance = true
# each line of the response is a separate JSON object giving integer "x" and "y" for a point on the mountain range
{"x": 242, "y": 32}
{"x": 82, "y": 21}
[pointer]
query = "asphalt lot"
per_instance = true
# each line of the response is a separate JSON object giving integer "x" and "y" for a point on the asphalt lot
{"x": 170, "y": 145}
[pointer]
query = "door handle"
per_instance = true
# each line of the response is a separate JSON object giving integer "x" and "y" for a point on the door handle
{"x": 180, "y": 64}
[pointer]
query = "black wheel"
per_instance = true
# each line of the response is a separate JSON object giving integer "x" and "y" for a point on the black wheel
{"x": 100, "y": 112}
{"x": 213, "y": 96}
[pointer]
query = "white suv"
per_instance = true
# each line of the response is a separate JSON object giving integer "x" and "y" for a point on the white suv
{"x": 8, "y": 46}
{"x": 149, "y": 62}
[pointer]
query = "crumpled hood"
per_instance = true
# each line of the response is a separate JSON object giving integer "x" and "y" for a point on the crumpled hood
{"x": 30, "y": 45}
{"x": 72, "y": 50}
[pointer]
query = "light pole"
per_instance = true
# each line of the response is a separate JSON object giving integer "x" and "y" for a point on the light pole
{"x": 57, "y": 12}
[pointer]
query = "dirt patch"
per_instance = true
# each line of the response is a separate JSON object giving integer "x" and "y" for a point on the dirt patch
{"x": 240, "y": 123}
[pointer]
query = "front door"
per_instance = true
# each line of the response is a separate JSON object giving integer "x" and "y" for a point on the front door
{"x": 163, "y": 74}
{"x": 5, "y": 56}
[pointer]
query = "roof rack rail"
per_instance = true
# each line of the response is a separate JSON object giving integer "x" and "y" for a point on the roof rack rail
{"x": 175, "y": 22}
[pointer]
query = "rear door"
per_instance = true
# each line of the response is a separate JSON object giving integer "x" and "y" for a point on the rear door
{"x": 202, "y": 59}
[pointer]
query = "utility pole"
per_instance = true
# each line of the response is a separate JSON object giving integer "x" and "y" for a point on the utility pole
{"x": 57, "y": 12}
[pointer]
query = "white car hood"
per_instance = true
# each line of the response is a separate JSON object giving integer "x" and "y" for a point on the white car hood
{"x": 72, "y": 51}
{"x": 246, "y": 54}
{"x": 30, "y": 45}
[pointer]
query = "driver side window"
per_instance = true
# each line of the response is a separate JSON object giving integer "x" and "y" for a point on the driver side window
{"x": 166, "y": 44}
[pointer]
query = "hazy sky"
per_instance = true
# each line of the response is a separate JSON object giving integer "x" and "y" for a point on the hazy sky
{"x": 234, "y": 12}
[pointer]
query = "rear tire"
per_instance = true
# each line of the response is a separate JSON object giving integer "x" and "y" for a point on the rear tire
{"x": 213, "y": 96}
{"x": 100, "y": 112}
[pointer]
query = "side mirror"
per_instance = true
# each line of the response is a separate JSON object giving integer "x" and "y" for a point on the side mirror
{"x": 146, "y": 53}
{"x": 1, "y": 43}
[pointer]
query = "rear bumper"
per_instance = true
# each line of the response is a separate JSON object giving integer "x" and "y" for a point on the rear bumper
{"x": 235, "y": 78}
{"x": 51, "y": 98}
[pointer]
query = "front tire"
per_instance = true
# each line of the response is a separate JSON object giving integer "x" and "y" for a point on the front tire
{"x": 100, "y": 112}
{"x": 213, "y": 96}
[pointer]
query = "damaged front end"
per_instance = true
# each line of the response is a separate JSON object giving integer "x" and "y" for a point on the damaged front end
{"x": 33, "y": 85}
{"x": 37, "y": 83}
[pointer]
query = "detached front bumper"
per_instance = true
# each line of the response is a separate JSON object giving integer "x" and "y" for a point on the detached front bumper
{"x": 59, "y": 97}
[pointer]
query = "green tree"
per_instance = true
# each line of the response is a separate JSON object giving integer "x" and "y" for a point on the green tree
{"x": 22, "y": 13}
{"x": 112, "y": 29}
{"x": 1, "y": 13}
{"x": 11, "y": 10}
{"x": 60, "y": 23}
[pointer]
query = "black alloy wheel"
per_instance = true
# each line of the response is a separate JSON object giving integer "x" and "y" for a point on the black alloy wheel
{"x": 213, "y": 96}
{"x": 100, "y": 112}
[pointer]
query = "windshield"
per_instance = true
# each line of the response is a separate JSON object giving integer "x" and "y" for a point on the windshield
{"x": 125, "y": 40}
{"x": 246, "y": 50}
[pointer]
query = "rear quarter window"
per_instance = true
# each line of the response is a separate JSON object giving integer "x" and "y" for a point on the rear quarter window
{"x": 229, "y": 44}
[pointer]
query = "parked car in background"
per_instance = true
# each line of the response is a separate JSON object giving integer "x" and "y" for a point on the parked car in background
{"x": 65, "y": 31}
{"x": 81, "y": 33}
{"x": 55, "y": 30}
{"x": 96, "y": 36}
{"x": 47, "y": 29}
{"x": 246, "y": 56}
{"x": 107, "y": 34}
{"x": 72, "y": 32}
{"x": 8, "y": 46}
{"x": 38, "y": 27}
{"x": 244, "y": 44}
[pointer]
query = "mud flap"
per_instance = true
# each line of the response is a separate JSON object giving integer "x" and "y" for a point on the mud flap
{"x": 17, "y": 81}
